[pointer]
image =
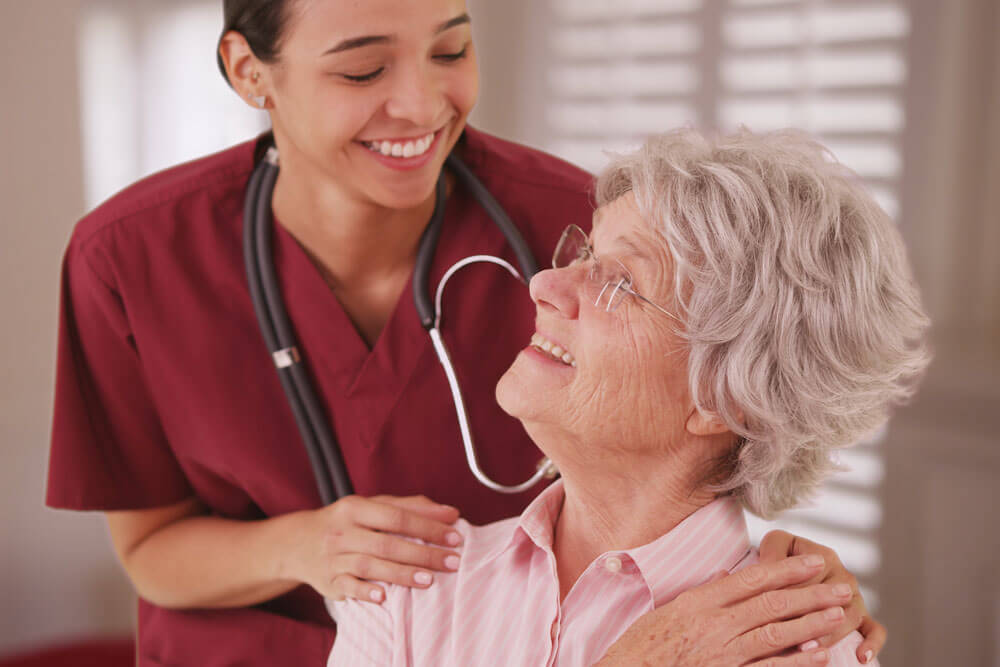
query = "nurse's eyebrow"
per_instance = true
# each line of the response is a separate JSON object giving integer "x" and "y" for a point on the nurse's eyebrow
{"x": 451, "y": 23}
{"x": 368, "y": 40}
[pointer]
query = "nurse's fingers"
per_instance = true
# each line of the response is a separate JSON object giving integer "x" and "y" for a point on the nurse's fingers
{"x": 391, "y": 518}
{"x": 393, "y": 548}
{"x": 422, "y": 505}
{"x": 875, "y": 635}
{"x": 345, "y": 586}
{"x": 370, "y": 568}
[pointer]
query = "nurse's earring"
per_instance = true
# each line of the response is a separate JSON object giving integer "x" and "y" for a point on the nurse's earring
{"x": 260, "y": 101}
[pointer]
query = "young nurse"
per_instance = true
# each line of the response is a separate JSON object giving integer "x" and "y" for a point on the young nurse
{"x": 169, "y": 416}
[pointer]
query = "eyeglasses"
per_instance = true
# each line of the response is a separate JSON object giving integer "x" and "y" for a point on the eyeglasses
{"x": 609, "y": 282}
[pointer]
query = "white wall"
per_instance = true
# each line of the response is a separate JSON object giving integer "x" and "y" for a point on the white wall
{"x": 57, "y": 574}
{"x": 941, "y": 600}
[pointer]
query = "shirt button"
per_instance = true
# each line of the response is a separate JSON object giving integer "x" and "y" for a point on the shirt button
{"x": 555, "y": 629}
{"x": 613, "y": 564}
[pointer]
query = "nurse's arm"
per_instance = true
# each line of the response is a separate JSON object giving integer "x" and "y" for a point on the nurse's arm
{"x": 180, "y": 556}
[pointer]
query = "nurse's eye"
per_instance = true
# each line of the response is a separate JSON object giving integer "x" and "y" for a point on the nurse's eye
{"x": 452, "y": 57}
{"x": 364, "y": 78}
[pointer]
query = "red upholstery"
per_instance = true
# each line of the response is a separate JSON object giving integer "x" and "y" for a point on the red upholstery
{"x": 83, "y": 653}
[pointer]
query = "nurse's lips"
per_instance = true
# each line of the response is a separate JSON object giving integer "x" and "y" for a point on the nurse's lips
{"x": 552, "y": 350}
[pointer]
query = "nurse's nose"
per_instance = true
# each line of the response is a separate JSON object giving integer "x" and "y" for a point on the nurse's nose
{"x": 417, "y": 97}
{"x": 557, "y": 291}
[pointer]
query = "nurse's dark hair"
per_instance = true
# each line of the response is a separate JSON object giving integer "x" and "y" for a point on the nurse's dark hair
{"x": 261, "y": 22}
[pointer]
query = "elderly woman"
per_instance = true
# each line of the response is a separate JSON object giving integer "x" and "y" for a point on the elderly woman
{"x": 741, "y": 309}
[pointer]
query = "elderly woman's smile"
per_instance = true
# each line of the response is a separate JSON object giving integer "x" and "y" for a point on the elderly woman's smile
{"x": 552, "y": 350}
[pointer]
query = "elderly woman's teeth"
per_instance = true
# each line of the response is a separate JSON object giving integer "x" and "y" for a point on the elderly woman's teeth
{"x": 401, "y": 148}
{"x": 539, "y": 342}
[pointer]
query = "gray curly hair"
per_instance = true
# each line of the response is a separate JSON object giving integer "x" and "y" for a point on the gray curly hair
{"x": 803, "y": 319}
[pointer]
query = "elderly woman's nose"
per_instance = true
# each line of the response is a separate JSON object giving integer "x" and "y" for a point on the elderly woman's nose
{"x": 556, "y": 289}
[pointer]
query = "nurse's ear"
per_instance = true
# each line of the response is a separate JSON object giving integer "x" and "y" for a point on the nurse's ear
{"x": 243, "y": 69}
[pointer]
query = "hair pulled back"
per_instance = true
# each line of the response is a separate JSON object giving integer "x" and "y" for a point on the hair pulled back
{"x": 261, "y": 22}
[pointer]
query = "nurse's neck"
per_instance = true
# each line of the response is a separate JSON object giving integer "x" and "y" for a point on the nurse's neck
{"x": 364, "y": 252}
{"x": 356, "y": 239}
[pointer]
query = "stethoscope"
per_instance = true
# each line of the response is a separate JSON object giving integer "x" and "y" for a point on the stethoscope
{"x": 324, "y": 453}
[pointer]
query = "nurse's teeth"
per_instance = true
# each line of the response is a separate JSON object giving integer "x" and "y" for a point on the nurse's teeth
{"x": 538, "y": 341}
{"x": 406, "y": 149}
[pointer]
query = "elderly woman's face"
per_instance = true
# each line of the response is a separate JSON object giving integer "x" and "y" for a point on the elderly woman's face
{"x": 624, "y": 381}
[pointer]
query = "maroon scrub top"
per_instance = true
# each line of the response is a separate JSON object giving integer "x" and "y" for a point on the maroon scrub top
{"x": 165, "y": 389}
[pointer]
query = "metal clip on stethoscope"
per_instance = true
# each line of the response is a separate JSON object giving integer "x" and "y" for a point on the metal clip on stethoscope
{"x": 325, "y": 456}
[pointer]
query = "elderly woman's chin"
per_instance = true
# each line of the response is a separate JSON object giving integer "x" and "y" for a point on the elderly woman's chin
{"x": 516, "y": 391}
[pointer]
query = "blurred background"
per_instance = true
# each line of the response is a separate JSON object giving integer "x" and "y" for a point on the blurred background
{"x": 96, "y": 93}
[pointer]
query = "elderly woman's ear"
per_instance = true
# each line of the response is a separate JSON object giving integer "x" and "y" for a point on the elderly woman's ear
{"x": 706, "y": 423}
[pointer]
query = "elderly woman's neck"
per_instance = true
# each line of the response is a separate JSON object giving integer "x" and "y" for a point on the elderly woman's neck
{"x": 617, "y": 511}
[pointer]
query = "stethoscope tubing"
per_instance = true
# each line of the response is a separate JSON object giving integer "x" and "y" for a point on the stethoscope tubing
{"x": 324, "y": 456}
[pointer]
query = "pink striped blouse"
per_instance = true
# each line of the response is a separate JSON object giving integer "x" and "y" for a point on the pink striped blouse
{"x": 502, "y": 606}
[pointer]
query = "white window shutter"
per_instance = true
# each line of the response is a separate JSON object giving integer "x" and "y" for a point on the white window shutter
{"x": 836, "y": 68}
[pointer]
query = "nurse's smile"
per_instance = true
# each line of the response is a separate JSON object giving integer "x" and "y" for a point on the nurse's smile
{"x": 405, "y": 153}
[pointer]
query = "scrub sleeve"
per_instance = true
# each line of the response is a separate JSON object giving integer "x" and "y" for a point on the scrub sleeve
{"x": 165, "y": 390}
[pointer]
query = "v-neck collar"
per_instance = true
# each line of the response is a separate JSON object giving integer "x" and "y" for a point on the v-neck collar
{"x": 334, "y": 348}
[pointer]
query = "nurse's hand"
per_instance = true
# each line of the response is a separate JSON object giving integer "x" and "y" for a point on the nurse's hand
{"x": 751, "y": 617}
{"x": 349, "y": 545}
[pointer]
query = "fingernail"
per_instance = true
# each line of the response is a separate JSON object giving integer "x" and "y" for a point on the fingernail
{"x": 842, "y": 590}
{"x": 454, "y": 539}
{"x": 833, "y": 614}
{"x": 423, "y": 578}
{"x": 451, "y": 562}
{"x": 814, "y": 560}
{"x": 810, "y": 645}
{"x": 868, "y": 656}
{"x": 375, "y": 595}
{"x": 819, "y": 657}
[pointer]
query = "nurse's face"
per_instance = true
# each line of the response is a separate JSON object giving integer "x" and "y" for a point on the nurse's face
{"x": 371, "y": 96}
